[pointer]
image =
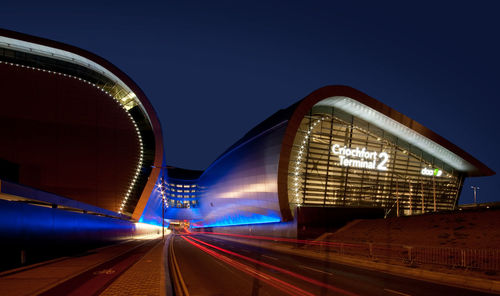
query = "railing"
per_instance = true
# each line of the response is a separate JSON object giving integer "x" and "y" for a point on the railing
{"x": 481, "y": 259}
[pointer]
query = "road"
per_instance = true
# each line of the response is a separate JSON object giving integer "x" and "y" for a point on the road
{"x": 213, "y": 266}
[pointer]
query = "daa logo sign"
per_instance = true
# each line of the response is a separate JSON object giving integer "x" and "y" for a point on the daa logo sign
{"x": 431, "y": 172}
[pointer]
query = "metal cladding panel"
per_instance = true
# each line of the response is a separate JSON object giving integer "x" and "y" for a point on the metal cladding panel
{"x": 241, "y": 186}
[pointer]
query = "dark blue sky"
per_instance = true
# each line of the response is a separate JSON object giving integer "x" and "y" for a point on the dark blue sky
{"x": 214, "y": 69}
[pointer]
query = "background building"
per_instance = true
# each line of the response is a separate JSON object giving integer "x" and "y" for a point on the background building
{"x": 182, "y": 194}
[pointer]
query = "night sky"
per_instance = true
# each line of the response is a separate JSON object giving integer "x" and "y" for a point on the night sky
{"x": 215, "y": 69}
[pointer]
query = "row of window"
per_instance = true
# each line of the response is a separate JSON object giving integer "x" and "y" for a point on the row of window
{"x": 172, "y": 185}
{"x": 174, "y": 192}
{"x": 183, "y": 204}
{"x": 180, "y": 190}
{"x": 181, "y": 195}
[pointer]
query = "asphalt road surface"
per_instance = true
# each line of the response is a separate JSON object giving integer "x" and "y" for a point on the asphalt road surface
{"x": 213, "y": 266}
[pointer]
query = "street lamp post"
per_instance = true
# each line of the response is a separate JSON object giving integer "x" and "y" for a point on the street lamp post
{"x": 162, "y": 210}
{"x": 162, "y": 192}
{"x": 475, "y": 188}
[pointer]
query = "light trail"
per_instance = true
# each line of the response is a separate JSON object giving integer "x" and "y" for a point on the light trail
{"x": 273, "y": 281}
{"x": 396, "y": 292}
{"x": 279, "y": 269}
{"x": 283, "y": 239}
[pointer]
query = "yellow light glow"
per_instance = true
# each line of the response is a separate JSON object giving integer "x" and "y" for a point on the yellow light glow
{"x": 257, "y": 187}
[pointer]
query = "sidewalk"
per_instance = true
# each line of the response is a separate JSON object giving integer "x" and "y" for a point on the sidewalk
{"x": 480, "y": 284}
{"x": 146, "y": 277}
{"x": 38, "y": 278}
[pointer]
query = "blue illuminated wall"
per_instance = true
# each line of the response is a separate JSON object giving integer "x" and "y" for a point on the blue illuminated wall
{"x": 152, "y": 213}
{"x": 25, "y": 224}
{"x": 41, "y": 233}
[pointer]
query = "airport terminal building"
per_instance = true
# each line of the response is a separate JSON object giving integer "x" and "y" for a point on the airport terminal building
{"x": 337, "y": 150}
{"x": 76, "y": 126}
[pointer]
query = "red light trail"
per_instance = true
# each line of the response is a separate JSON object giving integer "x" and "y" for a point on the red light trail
{"x": 282, "y": 239}
{"x": 273, "y": 281}
{"x": 279, "y": 269}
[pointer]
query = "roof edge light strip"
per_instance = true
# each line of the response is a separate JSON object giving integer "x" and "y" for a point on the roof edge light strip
{"x": 399, "y": 130}
{"x": 141, "y": 148}
{"x": 63, "y": 55}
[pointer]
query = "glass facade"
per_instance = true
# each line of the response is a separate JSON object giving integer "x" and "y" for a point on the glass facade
{"x": 339, "y": 160}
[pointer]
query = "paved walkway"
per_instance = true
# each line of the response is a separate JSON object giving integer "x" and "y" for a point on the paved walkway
{"x": 145, "y": 278}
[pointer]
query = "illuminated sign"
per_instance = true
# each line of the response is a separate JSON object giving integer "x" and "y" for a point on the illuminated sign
{"x": 431, "y": 172}
{"x": 361, "y": 158}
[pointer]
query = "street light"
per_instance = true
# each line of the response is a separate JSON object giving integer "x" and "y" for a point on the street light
{"x": 475, "y": 188}
{"x": 162, "y": 192}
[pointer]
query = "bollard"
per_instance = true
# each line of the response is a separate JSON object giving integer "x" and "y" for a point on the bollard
{"x": 23, "y": 257}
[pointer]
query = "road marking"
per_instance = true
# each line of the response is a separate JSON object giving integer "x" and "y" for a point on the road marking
{"x": 177, "y": 273}
{"x": 396, "y": 292}
{"x": 317, "y": 270}
{"x": 270, "y": 257}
